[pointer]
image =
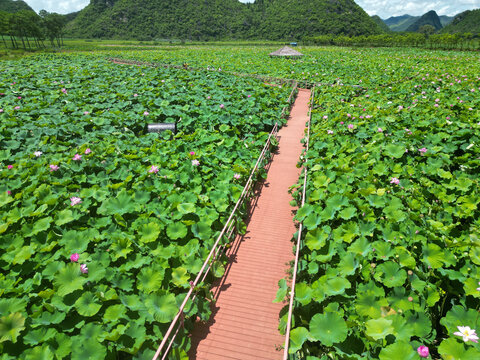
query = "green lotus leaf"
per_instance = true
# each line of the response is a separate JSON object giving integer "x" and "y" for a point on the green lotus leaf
{"x": 133, "y": 302}
{"x": 303, "y": 293}
{"x": 87, "y": 348}
{"x": 176, "y": 230}
{"x": 395, "y": 151}
{"x": 87, "y": 304}
{"x": 69, "y": 279}
{"x": 114, "y": 312}
{"x": 162, "y": 307}
{"x": 33, "y": 337}
{"x": 218, "y": 269}
{"x": 149, "y": 279}
{"x": 379, "y": 328}
{"x": 121, "y": 247}
{"x": 303, "y": 212}
{"x": 297, "y": 337}
{"x": 282, "y": 291}
{"x": 47, "y": 318}
{"x": 328, "y": 328}
{"x": 336, "y": 202}
{"x": 348, "y": 213}
{"x": 11, "y": 326}
{"x": 348, "y": 264}
{"x": 433, "y": 255}
{"x": 312, "y": 221}
{"x": 316, "y": 239}
{"x": 149, "y": 232}
{"x": 39, "y": 353}
{"x": 398, "y": 351}
{"x": 390, "y": 274}
{"x": 64, "y": 217}
{"x": 452, "y": 349}
{"x": 186, "y": 208}
{"x": 4, "y": 198}
{"x": 64, "y": 345}
{"x": 123, "y": 283}
{"x": 420, "y": 324}
{"x": 180, "y": 276}
{"x": 12, "y": 305}
{"x": 40, "y": 226}
{"x": 75, "y": 241}
{"x": 122, "y": 204}
{"x": 202, "y": 230}
{"x": 336, "y": 286}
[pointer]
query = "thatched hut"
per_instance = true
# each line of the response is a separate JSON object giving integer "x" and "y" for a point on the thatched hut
{"x": 286, "y": 52}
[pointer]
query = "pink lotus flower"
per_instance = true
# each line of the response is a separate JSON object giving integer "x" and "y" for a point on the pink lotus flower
{"x": 329, "y": 132}
{"x": 74, "y": 257}
{"x": 75, "y": 200}
{"x": 208, "y": 97}
{"x": 395, "y": 181}
{"x": 478, "y": 289}
{"x": 9, "y": 192}
{"x": 380, "y": 130}
{"x": 19, "y": 97}
{"x": 146, "y": 113}
{"x": 341, "y": 123}
{"x": 10, "y": 167}
{"x": 17, "y": 107}
{"x": 53, "y": 167}
{"x": 77, "y": 157}
{"x": 249, "y": 95}
{"x": 192, "y": 153}
{"x": 87, "y": 151}
{"x": 423, "y": 351}
{"x": 85, "y": 113}
{"x": 195, "y": 162}
{"x": 400, "y": 107}
{"x": 84, "y": 269}
{"x": 467, "y": 334}
{"x": 325, "y": 117}
{"x": 64, "y": 91}
{"x": 1, "y": 111}
{"x": 423, "y": 150}
{"x": 222, "y": 106}
{"x": 237, "y": 176}
{"x": 38, "y": 153}
{"x": 153, "y": 169}
{"x": 135, "y": 95}
{"x": 350, "y": 126}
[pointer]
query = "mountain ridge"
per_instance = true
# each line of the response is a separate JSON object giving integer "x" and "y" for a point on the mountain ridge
{"x": 220, "y": 19}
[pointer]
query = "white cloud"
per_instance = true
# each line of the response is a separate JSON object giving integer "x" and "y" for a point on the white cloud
{"x": 58, "y": 6}
{"x": 387, "y": 8}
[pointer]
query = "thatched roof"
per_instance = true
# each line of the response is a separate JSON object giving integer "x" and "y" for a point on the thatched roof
{"x": 286, "y": 51}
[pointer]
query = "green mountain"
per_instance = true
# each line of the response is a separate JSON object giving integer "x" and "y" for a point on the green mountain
{"x": 400, "y": 23}
{"x": 11, "y": 6}
{"x": 465, "y": 22}
{"x": 220, "y": 19}
{"x": 430, "y": 18}
{"x": 381, "y": 23}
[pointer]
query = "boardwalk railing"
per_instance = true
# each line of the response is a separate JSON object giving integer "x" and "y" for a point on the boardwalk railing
{"x": 227, "y": 231}
{"x": 299, "y": 238}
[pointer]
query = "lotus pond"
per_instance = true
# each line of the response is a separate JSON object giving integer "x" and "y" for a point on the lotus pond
{"x": 103, "y": 225}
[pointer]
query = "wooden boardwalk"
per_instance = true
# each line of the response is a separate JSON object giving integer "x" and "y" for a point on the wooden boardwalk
{"x": 244, "y": 323}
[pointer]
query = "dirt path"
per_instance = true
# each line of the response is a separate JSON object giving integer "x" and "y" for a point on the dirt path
{"x": 244, "y": 323}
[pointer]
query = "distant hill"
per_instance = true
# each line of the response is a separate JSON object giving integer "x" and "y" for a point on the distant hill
{"x": 400, "y": 23}
{"x": 445, "y": 20}
{"x": 430, "y": 18}
{"x": 11, "y": 6}
{"x": 465, "y": 22}
{"x": 220, "y": 19}
{"x": 381, "y": 23}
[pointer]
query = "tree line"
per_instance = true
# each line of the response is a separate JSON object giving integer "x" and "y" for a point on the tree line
{"x": 28, "y": 30}
{"x": 465, "y": 41}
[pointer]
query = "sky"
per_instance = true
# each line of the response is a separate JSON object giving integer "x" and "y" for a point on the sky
{"x": 382, "y": 8}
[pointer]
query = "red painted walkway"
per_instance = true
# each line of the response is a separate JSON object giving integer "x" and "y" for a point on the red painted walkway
{"x": 244, "y": 323}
